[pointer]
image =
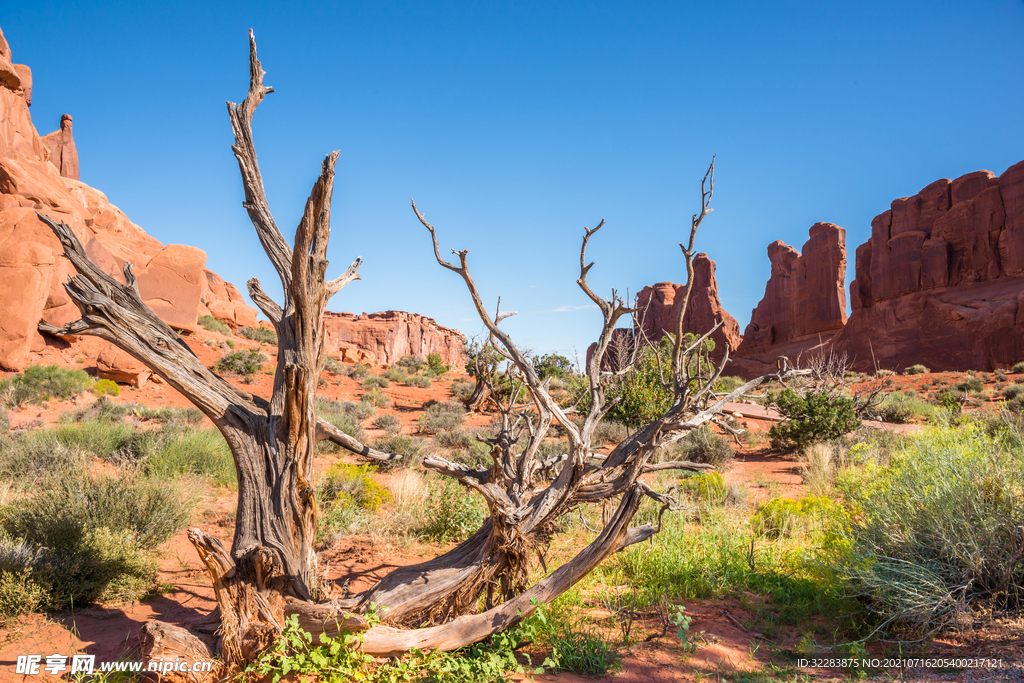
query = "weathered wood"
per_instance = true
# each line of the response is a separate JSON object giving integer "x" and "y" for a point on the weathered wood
{"x": 160, "y": 642}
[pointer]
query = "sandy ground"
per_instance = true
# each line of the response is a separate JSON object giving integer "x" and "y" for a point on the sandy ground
{"x": 729, "y": 647}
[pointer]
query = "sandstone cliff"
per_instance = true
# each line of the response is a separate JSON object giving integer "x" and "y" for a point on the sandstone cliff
{"x": 659, "y": 307}
{"x": 804, "y": 302}
{"x": 40, "y": 174}
{"x": 941, "y": 280}
{"x": 384, "y": 338}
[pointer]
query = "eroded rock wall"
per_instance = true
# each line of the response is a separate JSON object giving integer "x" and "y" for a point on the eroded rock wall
{"x": 941, "y": 280}
{"x": 384, "y": 338}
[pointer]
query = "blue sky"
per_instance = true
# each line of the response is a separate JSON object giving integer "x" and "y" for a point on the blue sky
{"x": 515, "y": 124}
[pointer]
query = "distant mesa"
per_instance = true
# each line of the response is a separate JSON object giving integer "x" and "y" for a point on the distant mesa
{"x": 42, "y": 174}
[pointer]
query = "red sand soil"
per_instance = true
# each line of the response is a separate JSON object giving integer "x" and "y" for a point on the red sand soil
{"x": 729, "y": 646}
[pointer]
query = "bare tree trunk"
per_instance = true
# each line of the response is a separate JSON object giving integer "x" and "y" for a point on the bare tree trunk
{"x": 271, "y": 569}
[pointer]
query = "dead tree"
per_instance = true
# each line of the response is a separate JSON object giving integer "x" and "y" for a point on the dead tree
{"x": 270, "y": 572}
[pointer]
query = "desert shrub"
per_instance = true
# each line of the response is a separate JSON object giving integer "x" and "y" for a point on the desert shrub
{"x": 95, "y": 535}
{"x": 413, "y": 363}
{"x": 357, "y": 482}
{"x": 972, "y": 385}
{"x": 1017, "y": 367}
{"x": 111, "y": 441}
{"x": 183, "y": 416}
{"x": 418, "y": 381}
{"x": 376, "y": 382}
{"x": 1000, "y": 375}
{"x": 825, "y": 460}
{"x": 1013, "y": 391}
{"x": 703, "y": 445}
{"x": 901, "y": 408}
{"x": 31, "y": 458}
{"x": 333, "y": 366}
{"x": 346, "y": 416}
{"x": 786, "y": 516}
{"x": 436, "y": 364}
{"x": 707, "y": 487}
{"x": 195, "y": 451}
{"x": 241, "y": 362}
{"x": 42, "y": 382}
{"x": 213, "y": 325}
{"x": 461, "y": 389}
{"x": 439, "y": 417}
{"x": 452, "y": 513}
{"x": 916, "y": 370}
{"x": 810, "y": 418}
{"x": 106, "y": 386}
{"x": 881, "y": 372}
{"x": 5, "y": 422}
{"x": 263, "y": 335}
{"x": 936, "y": 531}
{"x": 376, "y": 398}
{"x": 395, "y": 374}
{"x": 609, "y": 432}
{"x": 357, "y": 371}
{"x": 411, "y": 448}
{"x": 389, "y": 423}
{"x": 455, "y": 439}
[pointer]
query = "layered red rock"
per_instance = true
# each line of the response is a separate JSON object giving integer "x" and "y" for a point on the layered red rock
{"x": 804, "y": 302}
{"x": 660, "y": 304}
{"x": 63, "y": 153}
{"x": 384, "y": 338}
{"x": 941, "y": 280}
{"x": 172, "y": 279}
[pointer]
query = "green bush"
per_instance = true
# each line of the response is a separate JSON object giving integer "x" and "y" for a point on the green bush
{"x": 263, "y": 335}
{"x": 41, "y": 383}
{"x": 438, "y": 417}
{"x": 411, "y": 448}
{"x": 418, "y": 381}
{"x": 111, "y": 441}
{"x": 346, "y": 416}
{"x": 376, "y": 397}
{"x": 972, "y": 385}
{"x": 436, "y": 364}
{"x": 810, "y": 418}
{"x": 411, "y": 362}
{"x": 553, "y": 365}
{"x": 32, "y": 458}
{"x": 703, "y": 445}
{"x": 916, "y": 370}
{"x": 453, "y": 513}
{"x": 389, "y": 423}
{"x": 90, "y": 538}
{"x": 106, "y": 386}
{"x": 201, "y": 452}
{"x": 332, "y": 366}
{"x": 707, "y": 487}
{"x": 395, "y": 374}
{"x": 357, "y": 371}
{"x": 376, "y": 382}
{"x": 936, "y": 532}
{"x": 357, "y": 482}
{"x": 243, "y": 363}
{"x": 786, "y": 516}
{"x": 1018, "y": 367}
{"x": 214, "y": 325}
{"x": 455, "y": 439}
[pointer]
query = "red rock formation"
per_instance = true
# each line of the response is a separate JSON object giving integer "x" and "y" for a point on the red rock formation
{"x": 804, "y": 302}
{"x": 941, "y": 281}
{"x": 661, "y": 302}
{"x": 63, "y": 153}
{"x": 384, "y": 338}
{"x": 172, "y": 279}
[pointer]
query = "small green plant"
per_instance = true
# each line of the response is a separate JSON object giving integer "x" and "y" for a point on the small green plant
{"x": 411, "y": 448}
{"x": 413, "y": 363}
{"x": 263, "y": 335}
{"x": 786, "y": 516}
{"x": 453, "y": 513}
{"x": 333, "y": 366}
{"x": 243, "y": 363}
{"x": 418, "y": 381}
{"x": 376, "y": 397}
{"x": 972, "y": 385}
{"x": 707, "y": 487}
{"x": 436, "y": 364}
{"x": 40, "y": 383}
{"x": 376, "y": 382}
{"x": 103, "y": 387}
{"x": 916, "y": 370}
{"x": 394, "y": 374}
{"x": 213, "y": 325}
{"x": 1018, "y": 368}
{"x": 389, "y": 423}
{"x": 815, "y": 416}
{"x": 357, "y": 371}
{"x": 438, "y": 417}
